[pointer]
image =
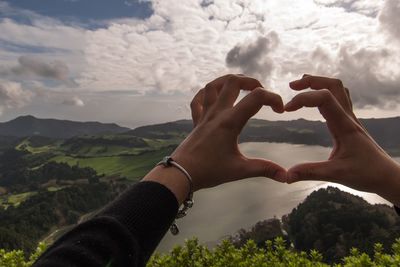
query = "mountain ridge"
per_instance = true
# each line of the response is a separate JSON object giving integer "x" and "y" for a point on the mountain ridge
{"x": 24, "y": 126}
{"x": 385, "y": 131}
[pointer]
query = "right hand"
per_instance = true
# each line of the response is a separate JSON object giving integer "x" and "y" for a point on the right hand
{"x": 356, "y": 160}
{"x": 210, "y": 153}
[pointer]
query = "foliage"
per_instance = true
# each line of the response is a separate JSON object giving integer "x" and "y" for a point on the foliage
{"x": 17, "y": 172}
{"x": 275, "y": 253}
{"x": 332, "y": 222}
{"x": 17, "y": 258}
{"x": 260, "y": 233}
{"x": 329, "y": 221}
{"x": 23, "y": 225}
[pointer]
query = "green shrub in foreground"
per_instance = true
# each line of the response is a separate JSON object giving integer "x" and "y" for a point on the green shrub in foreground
{"x": 193, "y": 254}
{"x": 17, "y": 258}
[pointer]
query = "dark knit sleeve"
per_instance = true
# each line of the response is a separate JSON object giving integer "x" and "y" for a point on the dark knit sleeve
{"x": 397, "y": 210}
{"x": 125, "y": 233}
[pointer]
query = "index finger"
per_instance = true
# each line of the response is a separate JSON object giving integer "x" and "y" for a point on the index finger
{"x": 232, "y": 86}
{"x": 253, "y": 102}
{"x": 337, "y": 119}
{"x": 335, "y": 86}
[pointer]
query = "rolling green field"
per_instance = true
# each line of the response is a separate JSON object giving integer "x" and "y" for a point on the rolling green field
{"x": 132, "y": 167}
{"x": 15, "y": 199}
{"x": 112, "y": 156}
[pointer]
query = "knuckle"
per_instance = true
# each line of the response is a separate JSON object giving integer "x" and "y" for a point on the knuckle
{"x": 338, "y": 82}
{"x": 208, "y": 87}
{"x": 258, "y": 93}
{"x": 231, "y": 78}
{"x": 326, "y": 95}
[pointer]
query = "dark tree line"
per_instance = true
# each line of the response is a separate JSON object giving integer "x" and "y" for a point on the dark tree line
{"x": 332, "y": 222}
{"x": 26, "y": 224}
{"x": 18, "y": 172}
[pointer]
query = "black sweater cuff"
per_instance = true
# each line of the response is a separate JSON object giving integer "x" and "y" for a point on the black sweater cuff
{"x": 147, "y": 210}
{"x": 397, "y": 210}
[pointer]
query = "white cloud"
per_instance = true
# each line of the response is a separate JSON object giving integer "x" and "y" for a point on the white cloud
{"x": 74, "y": 101}
{"x": 29, "y": 66}
{"x": 13, "y": 96}
{"x": 184, "y": 45}
{"x": 252, "y": 58}
{"x": 390, "y": 19}
{"x": 371, "y": 74}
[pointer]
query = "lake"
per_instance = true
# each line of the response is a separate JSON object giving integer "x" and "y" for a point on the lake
{"x": 223, "y": 210}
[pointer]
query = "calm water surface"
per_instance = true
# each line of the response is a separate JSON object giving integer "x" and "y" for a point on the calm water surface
{"x": 223, "y": 210}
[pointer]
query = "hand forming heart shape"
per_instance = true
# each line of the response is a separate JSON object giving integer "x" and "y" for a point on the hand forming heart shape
{"x": 211, "y": 154}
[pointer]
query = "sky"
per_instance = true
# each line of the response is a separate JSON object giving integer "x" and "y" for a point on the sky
{"x": 138, "y": 62}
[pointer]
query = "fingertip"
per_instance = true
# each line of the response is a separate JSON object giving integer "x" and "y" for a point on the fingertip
{"x": 292, "y": 177}
{"x": 293, "y": 84}
{"x": 279, "y": 109}
{"x": 277, "y": 103}
{"x": 298, "y": 85}
{"x": 289, "y": 106}
{"x": 281, "y": 176}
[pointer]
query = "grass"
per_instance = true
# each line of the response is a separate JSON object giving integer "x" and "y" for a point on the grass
{"x": 132, "y": 167}
{"x": 26, "y": 145}
{"x": 55, "y": 188}
{"x": 160, "y": 143}
{"x": 17, "y": 199}
{"x": 107, "y": 150}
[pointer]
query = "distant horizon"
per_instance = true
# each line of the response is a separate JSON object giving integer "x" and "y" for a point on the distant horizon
{"x": 162, "y": 122}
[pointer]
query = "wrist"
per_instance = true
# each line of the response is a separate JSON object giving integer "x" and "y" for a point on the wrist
{"x": 173, "y": 179}
{"x": 391, "y": 186}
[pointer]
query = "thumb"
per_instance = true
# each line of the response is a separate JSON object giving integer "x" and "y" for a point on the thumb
{"x": 320, "y": 171}
{"x": 264, "y": 168}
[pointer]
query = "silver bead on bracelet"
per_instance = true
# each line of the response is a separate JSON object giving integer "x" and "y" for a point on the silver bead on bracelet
{"x": 188, "y": 203}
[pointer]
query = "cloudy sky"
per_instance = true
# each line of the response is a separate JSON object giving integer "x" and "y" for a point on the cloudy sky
{"x": 137, "y": 62}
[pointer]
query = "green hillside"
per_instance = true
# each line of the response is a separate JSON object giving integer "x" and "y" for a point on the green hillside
{"x": 132, "y": 167}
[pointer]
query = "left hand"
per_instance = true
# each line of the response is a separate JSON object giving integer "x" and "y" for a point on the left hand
{"x": 356, "y": 160}
{"x": 210, "y": 153}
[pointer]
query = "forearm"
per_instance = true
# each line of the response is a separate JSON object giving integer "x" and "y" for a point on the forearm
{"x": 126, "y": 232}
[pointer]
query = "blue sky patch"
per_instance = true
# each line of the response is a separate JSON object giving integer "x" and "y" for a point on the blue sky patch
{"x": 85, "y": 11}
{"x": 24, "y": 48}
